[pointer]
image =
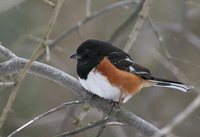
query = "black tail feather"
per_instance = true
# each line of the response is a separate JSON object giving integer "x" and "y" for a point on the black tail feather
{"x": 170, "y": 84}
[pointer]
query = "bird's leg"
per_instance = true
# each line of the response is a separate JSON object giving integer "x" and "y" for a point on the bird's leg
{"x": 116, "y": 104}
{"x": 121, "y": 99}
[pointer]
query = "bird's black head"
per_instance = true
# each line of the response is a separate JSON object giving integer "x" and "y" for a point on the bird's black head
{"x": 90, "y": 53}
{"x": 91, "y": 50}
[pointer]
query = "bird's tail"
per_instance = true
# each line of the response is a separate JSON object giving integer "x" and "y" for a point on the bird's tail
{"x": 170, "y": 84}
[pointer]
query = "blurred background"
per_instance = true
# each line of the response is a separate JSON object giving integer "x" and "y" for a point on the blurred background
{"x": 171, "y": 30}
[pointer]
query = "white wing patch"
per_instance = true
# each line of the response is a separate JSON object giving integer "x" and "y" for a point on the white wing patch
{"x": 142, "y": 72}
{"x": 131, "y": 69}
{"x": 100, "y": 86}
{"x": 128, "y": 59}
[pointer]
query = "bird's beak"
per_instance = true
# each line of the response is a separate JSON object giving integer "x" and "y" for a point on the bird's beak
{"x": 75, "y": 56}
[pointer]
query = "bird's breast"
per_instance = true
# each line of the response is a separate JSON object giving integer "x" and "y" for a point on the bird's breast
{"x": 99, "y": 85}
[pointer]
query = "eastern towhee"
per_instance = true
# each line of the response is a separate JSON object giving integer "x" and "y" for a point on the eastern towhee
{"x": 110, "y": 73}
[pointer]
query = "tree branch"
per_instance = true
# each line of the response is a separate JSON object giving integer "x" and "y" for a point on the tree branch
{"x": 49, "y": 2}
{"x": 88, "y": 8}
{"x": 38, "y": 51}
{"x": 70, "y": 112}
{"x": 43, "y": 115}
{"x": 102, "y": 127}
{"x": 81, "y": 129}
{"x": 131, "y": 18}
{"x": 7, "y": 83}
{"x": 87, "y": 19}
{"x": 6, "y": 53}
{"x": 169, "y": 65}
{"x": 138, "y": 25}
{"x": 181, "y": 116}
{"x": 14, "y": 66}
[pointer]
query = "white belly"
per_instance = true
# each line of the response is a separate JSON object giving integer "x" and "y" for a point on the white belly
{"x": 99, "y": 85}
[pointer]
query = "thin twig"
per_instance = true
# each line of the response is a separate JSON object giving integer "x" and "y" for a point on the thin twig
{"x": 34, "y": 38}
{"x": 118, "y": 131}
{"x": 171, "y": 66}
{"x": 49, "y": 2}
{"x": 115, "y": 123}
{"x": 124, "y": 24}
{"x": 44, "y": 114}
{"x": 102, "y": 127}
{"x": 39, "y": 50}
{"x": 88, "y": 8}
{"x": 186, "y": 62}
{"x": 81, "y": 129}
{"x": 65, "y": 122}
{"x": 181, "y": 116}
{"x": 190, "y": 108}
{"x": 166, "y": 62}
{"x": 6, "y": 53}
{"x": 156, "y": 32}
{"x": 87, "y": 19}
{"x": 193, "y": 3}
{"x": 79, "y": 119}
{"x": 51, "y": 24}
{"x": 138, "y": 25}
{"x": 7, "y": 83}
{"x": 159, "y": 38}
{"x": 48, "y": 54}
{"x": 100, "y": 132}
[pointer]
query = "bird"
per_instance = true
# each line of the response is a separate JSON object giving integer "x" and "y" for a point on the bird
{"x": 110, "y": 73}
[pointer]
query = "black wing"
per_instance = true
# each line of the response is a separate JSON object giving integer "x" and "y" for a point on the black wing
{"x": 123, "y": 61}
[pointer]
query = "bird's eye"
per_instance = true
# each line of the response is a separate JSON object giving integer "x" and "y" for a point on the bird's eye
{"x": 85, "y": 51}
